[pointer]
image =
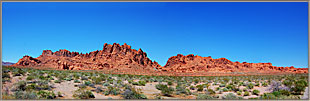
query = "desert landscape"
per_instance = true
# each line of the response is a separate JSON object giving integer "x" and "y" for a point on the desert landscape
{"x": 119, "y": 72}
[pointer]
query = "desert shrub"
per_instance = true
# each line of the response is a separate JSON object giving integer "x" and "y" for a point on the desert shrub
{"x": 256, "y": 92}
{"x": 20, "y": 86}
{"x": 169, "y": 83}
{"x": 87, "y": 83}
{"x": 84, "y": 78}
{"x": 57, "y": 81}
{"x": 196, "y": 80}
{"x": 231, "y": 96}
{"x": 31, "y": 87}
{"x": 199, "y": 87}
{"x": 106, "y": 84}
{"x": 239, "y": 92}
{"x": 222, "y": 85}
{"x": 268, "y": 96}
{"x": 25, "y": 95}
{"x": 217, "y": 88}
{"x": 182, "y": 90}
{"x": 131, "y": 93}
{"x": 59, "y": 94}
{"x": 210, "y": 91}
{"x": 192, "y": 87}
{"x": 275, "y": 86}
{"x": 112, "y": 90}
{"x": 6, "y": 75}
{"x": 160, "y": 86}
{"x": 246, "y": 93}
{"x": 83, "y": 94}
{"x": 46, "y": 94}
{"x": 225, "y": 90}
{"x": 276, "y": 93}
{"x": 77, "y": 81}
{"x": 299, "y": 87}
{"x": 250, "y": 86}
{"x": 285, "y": 92}
{"x": 135, "y": 83}
{"x": 142, "y": 83}
{"x": 265, "y": 84}
{"x": 98, "y": 89}
{"x": 30, "y": 78}
{"x": 205, "y": 96}
{"x": 165, "y": 90}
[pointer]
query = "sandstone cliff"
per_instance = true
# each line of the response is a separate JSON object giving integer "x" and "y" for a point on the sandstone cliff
{"x": 122, "y": 58}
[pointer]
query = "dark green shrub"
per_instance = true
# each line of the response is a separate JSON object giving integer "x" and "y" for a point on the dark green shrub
{"x": 246, "y": 93}
{"x": 131, "y": 93}
{"x": 256, "y": 92}
{"x": 199, "y": 87}
{"x": 112, "y": 90}
{"x": 205, "y": 96}
{"x": 169, "y": 83}
{"x": 46, "y": 94}
{"x": 211, "y": 92}
{"x": 83, "y": 94}
{"x": 299, "y": 87}
{"x": 231, "y": 96}
{"x": 268, "y": 96}
{"x": 285, "y": 92}
{"x": 142, "y": 83}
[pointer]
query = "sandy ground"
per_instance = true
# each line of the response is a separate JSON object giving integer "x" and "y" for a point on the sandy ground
{"x": 66, "y": 88}
{"x": 7, "y": 86}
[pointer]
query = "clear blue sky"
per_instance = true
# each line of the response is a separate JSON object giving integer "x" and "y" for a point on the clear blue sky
{"x": 244, "y": 32}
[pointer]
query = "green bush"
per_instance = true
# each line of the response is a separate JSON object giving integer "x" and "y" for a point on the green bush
{"x": 256, "y": 92}
{"x": 231, "y": 96}
{"x": 6, "y": 75}
{"x": 131, "y": 93}
{"x": 46, "y": 94}
{"x": 205, "y": 96}
{"x": 142, "y": 83}
{"x": 285, "y": 92}
{"x": 21, "y": 85}
{"x": 246, "y": 93}
{"x": 112, "y": 90}
{"x": 268, "y": 96}
{"x": 199, "y": 87}
{"x": 239, "y": 93}
{"x": 87, "y": 83}
{"x": 77, "y": 81}
{"x": 299, "y": 87}
{"x": 169, "y": 83}
{"x": 250, "y": 86}
{"x": 211, "y": 92}
{"x": 265, "y": 84}
{"x": 57, "y": 81}
{"x": 165, "y": 90}
{"x": 83, "y": 94}
{"x": 25, "y": 95}
{"x": 225, "y": 90}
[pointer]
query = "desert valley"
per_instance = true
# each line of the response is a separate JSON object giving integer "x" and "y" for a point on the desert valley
{"x": 120, "y": 72}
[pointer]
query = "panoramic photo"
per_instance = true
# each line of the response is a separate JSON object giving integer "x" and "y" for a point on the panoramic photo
{"x": 155, "y": 50}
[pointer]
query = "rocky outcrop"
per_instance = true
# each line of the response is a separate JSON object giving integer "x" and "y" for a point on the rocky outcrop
{"x": 110, "y": 57}
{"x": 122, "y": 58}
{"x": 191, "y": 63}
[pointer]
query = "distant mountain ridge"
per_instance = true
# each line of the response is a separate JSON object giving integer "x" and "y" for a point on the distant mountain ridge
{"x": 122, "y": 58}
{"x": 7, "y": 63}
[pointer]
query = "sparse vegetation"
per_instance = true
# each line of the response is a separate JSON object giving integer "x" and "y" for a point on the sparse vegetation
{"x": 25, "y": 83}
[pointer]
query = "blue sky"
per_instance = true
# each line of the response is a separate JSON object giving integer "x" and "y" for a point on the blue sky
{"x": 245, "y": 32}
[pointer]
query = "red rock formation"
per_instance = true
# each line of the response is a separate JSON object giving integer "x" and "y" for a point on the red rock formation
{"x": 123, "y": 58}
{"x": 111, "y": 57}
{"x": 192, "y": 64}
